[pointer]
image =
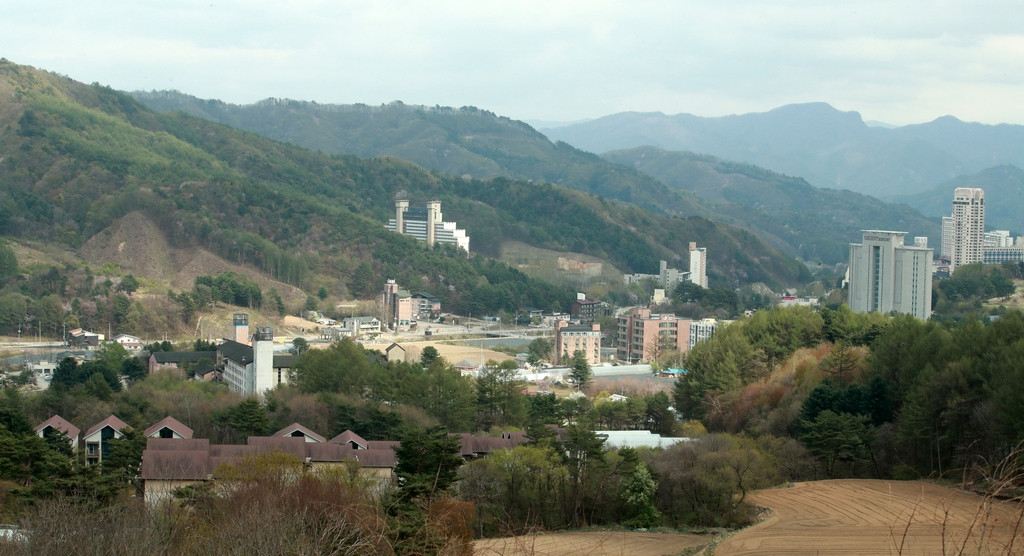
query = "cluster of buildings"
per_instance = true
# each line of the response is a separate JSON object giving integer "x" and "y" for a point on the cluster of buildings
{"x": 644, "y": 336}
{"x": 426, "y": 224}
{"x": 402, "y": 310}
{"x": 964, "y": 239}
{"x": 668, "y": 278}
{"x": 173, "y": 458}
{"x": 247, "y": 363}
{"x": 888, "y": 275}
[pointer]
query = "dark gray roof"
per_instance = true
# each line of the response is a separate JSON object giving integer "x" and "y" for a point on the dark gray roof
{"x": 428, "y": 296}
{"x": 284, "y": 361}
{"x": 236, "y": 352}
{"x": 182, "y": 356}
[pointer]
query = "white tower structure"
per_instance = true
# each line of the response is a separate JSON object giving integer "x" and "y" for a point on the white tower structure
{"x": 968, "y": 227}
{"x": 698, "y": 265}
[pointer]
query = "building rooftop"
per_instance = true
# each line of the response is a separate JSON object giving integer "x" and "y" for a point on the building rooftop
{"x": 170, "y": 423}
{"x": 111, "y": 421}
{"x": 60, "y": 424}
{"x": 184, "y": 356}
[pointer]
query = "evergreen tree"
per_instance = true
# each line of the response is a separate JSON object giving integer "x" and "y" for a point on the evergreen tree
{"x": 580, "y": 370}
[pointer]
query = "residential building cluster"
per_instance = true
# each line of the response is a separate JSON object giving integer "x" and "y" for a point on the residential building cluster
{"x": 964, "y": 239}
{"x": 426, "y": 224}
{"x": 644, "y": 336}
{"x": 668, "y": 278}
{"x": 173, "y": 458}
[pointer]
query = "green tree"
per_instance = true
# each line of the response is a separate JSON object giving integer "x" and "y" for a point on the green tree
{"x": 300, "y": 346}
{"x": 311, "y": 304}
{"x": 836, "y": 438}
{"x": 637, "y": 492}
{"x": 580, "y": 370}
{"x": 249, "y": 418}
{"x": 322, "y": 293}
{"x": 839, "y": 363}
{"x": 428, "y": 463}
{"x": 499, "y": 396}
{"x": 448, "y": 396}
{"x": 134, "y": 369}
{"x": 129, "y": 284}
{"x": 8, "y": 264}
{"x": 540, "y": 350}
{"x": 428, "y": 355}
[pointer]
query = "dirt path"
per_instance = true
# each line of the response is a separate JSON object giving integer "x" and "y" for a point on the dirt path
{"x": 596, "y": 543}
{"x": 866, "y": 517}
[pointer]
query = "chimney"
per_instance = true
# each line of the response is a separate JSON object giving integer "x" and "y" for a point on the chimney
{"x": 263, "y": 358}
{"x": 242, "y": 328}
{"x": 433, "y": 216}
{"x": 401, "y": 205}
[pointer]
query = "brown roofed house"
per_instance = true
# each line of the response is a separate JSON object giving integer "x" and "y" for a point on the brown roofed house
{"x": 351, "y": 439}
{"x": 298, "y": 430}
{"x": 58, "y": 423}
{"x": 168, "y": 427}
{"x": 98, "y": 436}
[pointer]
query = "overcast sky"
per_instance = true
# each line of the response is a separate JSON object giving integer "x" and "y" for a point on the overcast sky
{"x": 898, "y": 62}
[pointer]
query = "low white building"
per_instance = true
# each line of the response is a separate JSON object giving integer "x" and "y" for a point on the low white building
{"x": 702, "y": 330}
{"x": 127, "y": 341}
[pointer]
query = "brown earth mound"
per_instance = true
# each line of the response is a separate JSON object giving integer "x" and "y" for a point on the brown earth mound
{"x": 596, "y": 543}
{"x": 867, "y": 517}
{"x": 134, "y": 243}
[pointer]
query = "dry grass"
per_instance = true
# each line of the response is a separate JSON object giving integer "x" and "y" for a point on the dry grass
{"x": 596, "y": 543}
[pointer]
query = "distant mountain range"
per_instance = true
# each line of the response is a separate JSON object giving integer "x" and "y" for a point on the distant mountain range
{"x": 820, "y": 222}
{"x": 827, "y": 147}
{"x": 476, "y": 143}
{"x": 1004, "y": 197}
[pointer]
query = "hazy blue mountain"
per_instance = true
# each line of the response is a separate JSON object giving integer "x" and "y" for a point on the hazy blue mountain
{"x": 1004, "y": 197}
{"x": 828, "y": 147}
{"x": 817, "y": 223}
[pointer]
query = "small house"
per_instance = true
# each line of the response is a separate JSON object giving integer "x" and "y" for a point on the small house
{"x": 59, "y": 424}
{"x": 169, "y": 427}
{"x": 97, "y": 438}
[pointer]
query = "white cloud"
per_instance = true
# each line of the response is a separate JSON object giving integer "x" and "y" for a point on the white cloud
{"x": 901, "y": 62}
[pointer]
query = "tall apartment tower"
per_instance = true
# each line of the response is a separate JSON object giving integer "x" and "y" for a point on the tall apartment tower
{"x": 698, "y": 265}
{"x": 886, "y": 275}
{"x": 946, "y": 252}
{"x": 968, "y": 227}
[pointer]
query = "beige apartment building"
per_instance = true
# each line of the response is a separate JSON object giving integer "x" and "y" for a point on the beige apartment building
{"x": 642, "y": 336}
{"x": 397, "y": 307}
{"x": 572, "y": 338}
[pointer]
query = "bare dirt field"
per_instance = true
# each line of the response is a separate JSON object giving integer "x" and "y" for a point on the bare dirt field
{"x": 596, "y": 543}
{"x": 453, "y": 354}
{"x": 870, "y": 517}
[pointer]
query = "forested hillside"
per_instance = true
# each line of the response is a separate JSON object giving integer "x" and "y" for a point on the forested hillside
{"x": 75, "y": 158}
{"x": 818, "y": 224}
{"x": 466, "y": 142}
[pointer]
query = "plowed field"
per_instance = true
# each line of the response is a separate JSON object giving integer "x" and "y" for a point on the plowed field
{"x": 870, "y": 517}
{"x": 597, "y": 543}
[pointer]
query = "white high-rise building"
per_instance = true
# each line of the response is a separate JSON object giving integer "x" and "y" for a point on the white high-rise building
{"x": 946, "y": 252}
{"x": 698, "y": 265}
{"x": 886, "y": 275}
{"x": 968, "y": 227}
{"x": 426, "y": 224}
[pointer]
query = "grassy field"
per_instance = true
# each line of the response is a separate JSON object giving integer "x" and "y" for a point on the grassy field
{"x": 867, "y": 517}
